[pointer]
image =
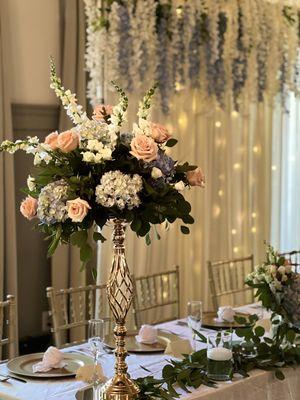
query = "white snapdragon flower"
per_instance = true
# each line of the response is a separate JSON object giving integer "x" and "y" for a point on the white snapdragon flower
{"x": 281, "y": 269}
{"x": 273, "y": 269}
{"x": 31, "y": 183}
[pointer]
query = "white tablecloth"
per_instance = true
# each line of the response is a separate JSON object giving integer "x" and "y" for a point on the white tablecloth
{"x": 260, "y": 385}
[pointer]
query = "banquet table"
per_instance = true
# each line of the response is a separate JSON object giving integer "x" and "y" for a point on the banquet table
{"x": 261, "y": 385}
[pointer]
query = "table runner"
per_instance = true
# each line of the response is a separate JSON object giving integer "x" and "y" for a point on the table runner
{"x": 261, "y": 385}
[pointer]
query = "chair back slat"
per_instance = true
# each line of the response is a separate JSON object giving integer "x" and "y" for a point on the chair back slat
{"x": 226, "y": 280}
{"x": 72, "y": 308}
{"x": 156, "y": 298}
{"x": 8, "y": 326}
{"x": 294, "y": 259}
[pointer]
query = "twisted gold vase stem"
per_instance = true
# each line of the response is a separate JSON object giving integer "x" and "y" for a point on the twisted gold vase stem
{"x": 120, "y": 293}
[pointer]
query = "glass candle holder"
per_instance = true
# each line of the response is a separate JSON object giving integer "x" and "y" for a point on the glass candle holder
{"x": 219, "y": 356}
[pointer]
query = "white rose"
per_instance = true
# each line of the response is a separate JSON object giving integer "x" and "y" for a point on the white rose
{"x": 156, "y": 173}
{"x": 281, "y": 269}
{"x": 179, "y": 186}
{"x": 284, "y": 278}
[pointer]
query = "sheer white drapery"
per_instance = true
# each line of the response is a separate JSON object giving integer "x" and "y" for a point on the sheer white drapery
{"x": 232, "y": 214}
{"x": 285, "y": 169}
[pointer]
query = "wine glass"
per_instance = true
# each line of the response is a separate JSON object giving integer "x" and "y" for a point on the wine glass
{"x": 194, "y": 319}
{"x": 96, "y": 333}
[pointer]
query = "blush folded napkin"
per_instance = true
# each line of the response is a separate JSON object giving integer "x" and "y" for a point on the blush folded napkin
{"x": 226, "y": 313}
{"x": 147, "y": 334}
{"x": 53, "y": 358}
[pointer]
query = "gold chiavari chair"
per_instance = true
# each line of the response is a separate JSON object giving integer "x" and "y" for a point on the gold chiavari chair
{"x": 156, "y": 298}
{"x": 71, "y": 309}
{"x": 294, "y": 259}
{"x": 8, "y": 326}
{"x": 226, "y": 280}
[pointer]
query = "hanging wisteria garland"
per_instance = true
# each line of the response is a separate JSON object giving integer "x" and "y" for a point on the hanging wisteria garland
{"x": 245, "y": 49}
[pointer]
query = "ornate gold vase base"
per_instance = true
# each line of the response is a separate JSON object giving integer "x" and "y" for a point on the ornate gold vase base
{"x": 120, "y": 293}
{"x": 120, "y": 387}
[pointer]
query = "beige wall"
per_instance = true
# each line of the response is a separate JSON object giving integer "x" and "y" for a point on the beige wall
{"x": 34, "y": 35}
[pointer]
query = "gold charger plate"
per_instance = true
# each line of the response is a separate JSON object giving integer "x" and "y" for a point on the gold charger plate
{"x": 209, "y": 321}
{"x": 132, "y": 346}
{"x": 23, "y": 365}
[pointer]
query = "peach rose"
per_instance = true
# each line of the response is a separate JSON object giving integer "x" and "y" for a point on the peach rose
{"x": 77, "y": 209}
{"x": 28, "y": 207}
{"x": 67, "y": 141}
{"x": 101, "y": 111}
{"x": 196, "y": 177}
{"x": 51, "y": 140}
{"x": 144, "y": 148}
{"x": 159, "y": 133}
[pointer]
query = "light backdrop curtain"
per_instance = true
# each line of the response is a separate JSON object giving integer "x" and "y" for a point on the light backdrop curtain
{"x": 286, "y": 177}
{"x": 66, "y": 262}
{"x": 232, "y": 214}
{"x": 8, "y": 241}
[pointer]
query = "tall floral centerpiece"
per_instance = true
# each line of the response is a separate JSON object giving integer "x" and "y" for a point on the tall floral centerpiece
{"x": 94, "y": 173}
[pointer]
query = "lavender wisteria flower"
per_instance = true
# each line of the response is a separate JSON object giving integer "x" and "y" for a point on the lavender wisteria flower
{"x": 243, "y": 54}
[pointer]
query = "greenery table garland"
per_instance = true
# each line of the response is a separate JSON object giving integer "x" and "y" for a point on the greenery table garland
{"x": 256, "y": 350}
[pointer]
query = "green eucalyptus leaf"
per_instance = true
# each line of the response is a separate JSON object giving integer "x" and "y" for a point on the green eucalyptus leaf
{"x": 148, "y": 239}
{"x": 86, "y": 253}
{"x": 136, "y": 224}
{"x": 279, "y": 374}
{"x": 259, "y": 331}
{"x": 290, "y": 335}
{"x": 97, "y": 236}
{"x": 185, "y": 230}
{"x": 79, "y": 238}
{"x": 171, "y": 142}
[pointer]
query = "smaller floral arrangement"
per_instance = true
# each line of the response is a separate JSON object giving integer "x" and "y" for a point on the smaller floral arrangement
{"x": 278, "y": 286}
{"x": 94, "y": 172}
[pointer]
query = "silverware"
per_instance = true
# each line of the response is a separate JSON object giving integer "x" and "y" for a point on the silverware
{"x": 4, "y": 378}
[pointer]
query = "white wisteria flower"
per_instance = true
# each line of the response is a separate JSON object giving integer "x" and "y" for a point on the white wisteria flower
{"x": 120, "y": 190}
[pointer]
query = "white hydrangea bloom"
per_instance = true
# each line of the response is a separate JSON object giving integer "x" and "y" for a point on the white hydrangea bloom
{"x": 52, "y": 200}
{"x": 120, "y": 190}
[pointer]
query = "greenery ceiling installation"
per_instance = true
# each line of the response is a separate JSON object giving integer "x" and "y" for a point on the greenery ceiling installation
{"x": 246, "y": 50}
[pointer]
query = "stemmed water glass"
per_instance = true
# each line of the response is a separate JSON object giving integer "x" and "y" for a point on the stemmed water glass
{"x": 96, "y": 334}
{"x": 194, "y": 319}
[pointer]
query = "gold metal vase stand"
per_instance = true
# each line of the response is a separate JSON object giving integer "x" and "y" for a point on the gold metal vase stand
{"x": 120, "y": 293}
